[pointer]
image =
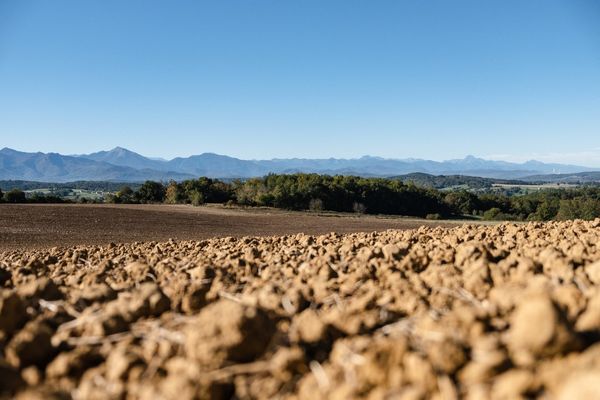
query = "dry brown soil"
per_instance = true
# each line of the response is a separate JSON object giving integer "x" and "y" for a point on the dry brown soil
{"x": 477, "y": 312}
{"x": 48, "y": 225}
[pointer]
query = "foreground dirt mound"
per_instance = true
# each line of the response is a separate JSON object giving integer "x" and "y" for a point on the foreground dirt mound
{"x": 499, "y": 312}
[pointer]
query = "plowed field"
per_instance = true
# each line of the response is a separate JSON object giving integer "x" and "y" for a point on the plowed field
{"x": 499, "y": 312}
{"x": 48, "y": 225}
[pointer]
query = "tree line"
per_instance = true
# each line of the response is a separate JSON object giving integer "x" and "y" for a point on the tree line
{"x": 370, "y": 195}
{"x": 19, "y": 196}
{"x": 356, "y": 194}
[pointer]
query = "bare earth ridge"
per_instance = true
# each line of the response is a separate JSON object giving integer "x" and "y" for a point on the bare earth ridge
{"x": 500, "y": 312}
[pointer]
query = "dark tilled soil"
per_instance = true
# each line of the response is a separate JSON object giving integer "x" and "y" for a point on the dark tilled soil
{"x": 41, "y": 225}
{"x": 476, "y": 312}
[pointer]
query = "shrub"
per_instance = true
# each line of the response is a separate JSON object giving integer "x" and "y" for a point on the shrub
{"x": 196, "y": 198}
{"x": 124, "y": 195}
{"x": 496, "y": 214}
{"x": 435, "y": 216}
{"x": 315, "y": 205}
{"x": 492, "y": 214}
{"x": 359, "y": 208}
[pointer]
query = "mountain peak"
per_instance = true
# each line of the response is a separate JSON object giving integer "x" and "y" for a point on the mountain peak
{"x": 120, "y": 149}
{"x": 533, "y": 162}
{"x": 123, "y": 157}
{"x": 368, "y": 157}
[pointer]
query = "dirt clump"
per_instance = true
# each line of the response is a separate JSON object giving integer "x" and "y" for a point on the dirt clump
{"x": 228, "y": 331}
{"x": 31, "y": 345}
{"x": 552, "y": 334}
{"x": 477, "y": 312}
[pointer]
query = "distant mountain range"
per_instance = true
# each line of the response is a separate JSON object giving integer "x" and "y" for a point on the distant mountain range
{"x": 54, "y": 167}
{"x": 123, "y": 165}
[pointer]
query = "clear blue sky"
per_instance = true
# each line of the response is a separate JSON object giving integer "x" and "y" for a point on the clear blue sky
{"x": 433, "y": 79}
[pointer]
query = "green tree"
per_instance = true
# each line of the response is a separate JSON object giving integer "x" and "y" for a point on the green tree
{"x": 124, "y": 195}
{"x": 150, "y": 192}
{"x": 461, "y": 202}
{"x": 492, "y": 214}
{"x": 545, "y": 211}
{"x": 578, "y": 208}
{"x": 212, "y": 190}
{"x": 196, "y": 198}
{"x": 174, "y": 193}
{"x": 15, "y": 196}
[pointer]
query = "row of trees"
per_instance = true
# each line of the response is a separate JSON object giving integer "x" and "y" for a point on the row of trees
{"x": 341, "y": 193}
{"x": 193, "y": 191}
{"x": 369, "y": 195}
{"x": 19, "y": 196}
{"x": 12, "y": 196}
{"x": 544, "y": 205}
{"x": 297, "y": 192}
{"x": 356, "y": 194}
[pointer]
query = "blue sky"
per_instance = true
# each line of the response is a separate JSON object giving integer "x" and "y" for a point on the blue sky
{"x": 435, "y": 79}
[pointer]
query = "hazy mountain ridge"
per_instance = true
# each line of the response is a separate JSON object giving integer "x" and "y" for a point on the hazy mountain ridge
{"x": 120, "y": 164}
{"x": 126, "y": 158}
{"x": 54, "y": 167}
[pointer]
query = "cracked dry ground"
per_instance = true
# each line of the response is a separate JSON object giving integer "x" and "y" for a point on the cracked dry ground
{"x": 499, "y": 312}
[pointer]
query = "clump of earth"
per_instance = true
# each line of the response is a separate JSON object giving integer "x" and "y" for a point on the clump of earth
{"x": 477, "y": 312}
